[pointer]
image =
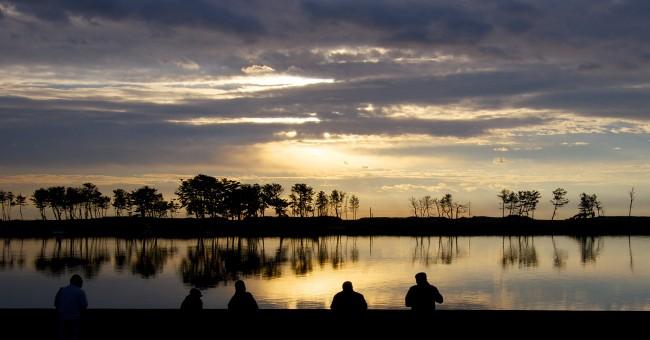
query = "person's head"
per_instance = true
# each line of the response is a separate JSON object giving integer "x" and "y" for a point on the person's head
{"x": 76, "y": 280}
{"x": 195, "y": 293}
{"x": 421, "y": 278}
{"x": 240, "y": 287}
{"x": 347, "y": 286}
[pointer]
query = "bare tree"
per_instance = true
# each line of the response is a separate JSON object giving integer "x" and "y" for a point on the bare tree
{"x": 354, "y": 206}
{"x": 415, "y": 205}
{"x": 632, "y": 193}
{"x": 504, "y": 196}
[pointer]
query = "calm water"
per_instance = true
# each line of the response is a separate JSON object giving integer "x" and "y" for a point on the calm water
{"x": 593, "y": 273}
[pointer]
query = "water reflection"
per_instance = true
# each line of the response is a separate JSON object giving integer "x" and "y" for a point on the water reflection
{"x": 59, "y": 256}
{"x": 445, "y": 250}
{"x": 560, "y": 256}
{"x": 304, "y": 272}
{"x": 520, "y": 251}
{"x": 145, "y": 257}
{"x": 219, "y": 260}
{"x": 12, "y": 254}
{"x": 590, "y": 248}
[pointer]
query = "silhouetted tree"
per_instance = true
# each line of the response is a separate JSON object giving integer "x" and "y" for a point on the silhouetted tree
{"x": 632, "y": 193}
{"x": 302, "y": 199}
{"x": 459, "y": 209}
{"x": 92, "y": 200}
{"x": 251, "y": 198}
{"x": 271, "y": 197}
{"x": 173, "y": 207}
{"x": 10, "y": 203}
{"x": 56, "y": 200}
{"x": 527, "y": 202}
{"x": 121, "y": 201}
{"x": 322, "y": 203}
{"x": 354, "y": 206}
{"x": 447, "y": 204}
{"x": 40, "y": 200}
{"x": 6, "y": 202}
{"x": 415, "y": 205}
{"x": 512, "y": 202}
{"x": 200, "y": 195}
{"x": 21, "y": 201}
{"x": 588, "y": 206}
{"x": 559, "y": 200}
{"x": 504, "y": 195}
{"x": 147, "y": 201}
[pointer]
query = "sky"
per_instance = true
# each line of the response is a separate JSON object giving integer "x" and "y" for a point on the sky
{"x": 383, "y": 99}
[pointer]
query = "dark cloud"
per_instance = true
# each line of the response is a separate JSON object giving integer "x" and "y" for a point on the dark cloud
{"x": 582, "y": 56}
{"x": 422, "y": 22}
{"x": 216, "y": 15}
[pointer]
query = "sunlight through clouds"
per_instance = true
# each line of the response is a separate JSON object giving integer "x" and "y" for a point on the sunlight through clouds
{"x": 247, "y": 120}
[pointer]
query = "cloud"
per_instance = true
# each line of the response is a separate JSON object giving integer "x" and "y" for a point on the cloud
{"x": 412, "y": 187}
{"x": 197, "y": 13}
{"x": 246, "y": 120}
{"x": 257, "y": 69}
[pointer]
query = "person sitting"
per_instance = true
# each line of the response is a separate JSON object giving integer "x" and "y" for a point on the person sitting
{"x": 192, "y": 302}
{"x": 348, "y": 302}
{"x": 70, "y": 301}
{"x": 242, "y": 301}
{"x": 423, "y": 296}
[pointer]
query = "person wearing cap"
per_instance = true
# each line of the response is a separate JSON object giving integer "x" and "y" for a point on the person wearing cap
{"x": 192, "y": 302}
{"x": 70, "y": 302}
{"x": 423, "y": 296}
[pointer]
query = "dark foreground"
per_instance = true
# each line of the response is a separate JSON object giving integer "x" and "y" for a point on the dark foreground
{"x": 321, "y": 226}
{"x": 304, "y": 324}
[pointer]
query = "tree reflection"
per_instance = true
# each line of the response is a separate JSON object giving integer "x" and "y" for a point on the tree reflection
{"x": 221, "y": 260}
{"x": 144, "y": 257}
{"x": 12, "y": 254}
{"x": 85, "y": 254}
{"x": 519, "y": 250}
{"x": 445, "y": 251}
{"x": 590, "y": 248}
{"x": 559, "y": 256}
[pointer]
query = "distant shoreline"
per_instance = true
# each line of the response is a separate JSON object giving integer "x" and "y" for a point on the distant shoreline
{"x": 322, "y": 226}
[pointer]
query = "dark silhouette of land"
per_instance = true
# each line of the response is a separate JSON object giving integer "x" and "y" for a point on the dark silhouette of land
{"x": 298, "y": 324}
{"x": 319, "y": 226}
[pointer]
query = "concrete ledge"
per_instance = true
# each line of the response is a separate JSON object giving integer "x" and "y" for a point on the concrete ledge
{"x": 289, "y": 324}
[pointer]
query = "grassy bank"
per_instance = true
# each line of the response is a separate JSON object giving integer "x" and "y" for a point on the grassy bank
{"x": 273, "y": 226}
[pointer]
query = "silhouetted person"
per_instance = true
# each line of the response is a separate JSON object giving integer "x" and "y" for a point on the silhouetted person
{"x": 70, "y": 301}
{"x": 242, "y": 301}
{"x": 192, "y": 302}
{"x": 423, "y": 296}
{"x": 348, "y": 302}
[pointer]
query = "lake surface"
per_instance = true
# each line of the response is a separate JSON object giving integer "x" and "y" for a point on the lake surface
{"x": 546, "y": 273}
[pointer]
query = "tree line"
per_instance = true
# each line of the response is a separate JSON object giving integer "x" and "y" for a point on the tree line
{"x": 444, "y": 207}
{"x": 7, "y": 201}
{"x": 207, "y": 197}
{"x": 511, "y": 203}
{"x": 201, "y": 196}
